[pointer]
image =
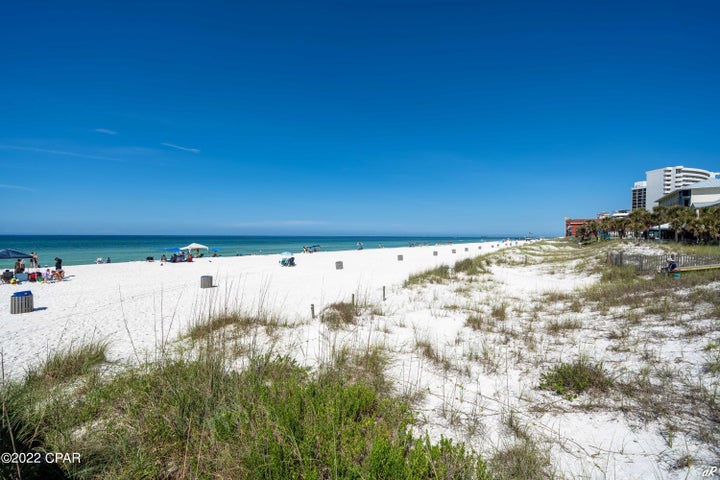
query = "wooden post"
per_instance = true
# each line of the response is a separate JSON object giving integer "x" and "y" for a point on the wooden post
{"x": 353, "y": 299}
{"x": 312, "y": 310}
{"x": 383, "y": 293}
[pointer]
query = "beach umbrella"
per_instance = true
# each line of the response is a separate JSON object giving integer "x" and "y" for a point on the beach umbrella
{"x": 195, "y": 246}
{"x": 10, "y": 253}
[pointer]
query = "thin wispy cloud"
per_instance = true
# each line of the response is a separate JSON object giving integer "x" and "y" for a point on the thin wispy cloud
{"x": 279, "y": 223}
{"x": 106, "y": 131}
{"x": 179, "y": 147}
{"x": 58, "y": 152}
{"x": 17, "y": 187}
{"x": 301, "y": 222}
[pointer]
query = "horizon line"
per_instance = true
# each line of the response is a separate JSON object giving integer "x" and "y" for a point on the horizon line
{"x": 404, "y": 235}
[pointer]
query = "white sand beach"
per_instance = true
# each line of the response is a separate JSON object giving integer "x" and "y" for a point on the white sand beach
{"x": 140, "y": 306}
{"x": 135, "y": 305}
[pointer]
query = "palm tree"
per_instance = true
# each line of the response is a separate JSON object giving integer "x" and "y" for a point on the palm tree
{"x": 640, "y": 220}
{"x": 581, "y": 232}
{"x": 679, "y": 218}
{"x": 592, "y": 228}
{"x": 710, "y": 217}
{"x": 620, "y": 225}
{"x": 660, "y": 215}
{"x": 606, "y": 225}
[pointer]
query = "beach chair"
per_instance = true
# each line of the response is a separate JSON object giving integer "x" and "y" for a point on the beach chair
{"x": 287, "y": 262}
{"x": 21, "y": 277}
{"x": 7, "y": 276}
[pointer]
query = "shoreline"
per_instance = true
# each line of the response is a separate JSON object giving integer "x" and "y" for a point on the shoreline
{"x": 84, "y": 250}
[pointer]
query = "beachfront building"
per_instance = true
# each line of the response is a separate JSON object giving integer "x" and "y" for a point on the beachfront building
{"x": 662, "y": 181}
{"x": 699, "y": 195}
{"x": 638, "y": 195}
{"x": 572, "y": 224}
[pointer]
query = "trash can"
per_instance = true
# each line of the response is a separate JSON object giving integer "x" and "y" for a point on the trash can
{"x": 454, "y": 251}
{"x": 400, "y": 258}
{"x": 21, "y": 302}
{"x": 206, "y": 281}
{"x": 338, "y": 265}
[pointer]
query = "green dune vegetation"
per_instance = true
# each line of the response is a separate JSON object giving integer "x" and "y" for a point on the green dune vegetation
{"x": 195, "y": 418}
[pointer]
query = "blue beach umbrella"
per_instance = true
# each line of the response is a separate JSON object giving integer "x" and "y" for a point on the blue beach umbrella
{"x": 10, "y": 253}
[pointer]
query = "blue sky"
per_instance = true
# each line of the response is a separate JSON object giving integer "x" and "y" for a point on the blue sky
{"x": 372, "y": 117}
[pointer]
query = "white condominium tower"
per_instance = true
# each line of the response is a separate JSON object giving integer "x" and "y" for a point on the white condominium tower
{"x": 662, "y": 181}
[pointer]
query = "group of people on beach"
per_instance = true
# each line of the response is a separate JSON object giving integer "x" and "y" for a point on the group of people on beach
{"x": 19, "y": 274}
{"x": 20, "y": 263}
{"x": 175, "y": 258}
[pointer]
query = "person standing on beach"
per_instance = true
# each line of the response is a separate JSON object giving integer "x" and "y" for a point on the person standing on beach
{"x": 58, "y": 263}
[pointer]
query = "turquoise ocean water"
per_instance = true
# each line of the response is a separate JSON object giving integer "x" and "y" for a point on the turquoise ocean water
{"x": 84, "y": 249}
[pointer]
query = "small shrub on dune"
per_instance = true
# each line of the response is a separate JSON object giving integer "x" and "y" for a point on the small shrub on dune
{"x": 339, "y": 314}
{"x": 619, "y": 275}
{"x": 556, "y": 326}
{"x": 232, "y": 324}
{"x": 471, "y": 266}
{"x": 572, "y": 379}
{"x": 435, "y": 275}
{"x": 499, "y": 311}
{"x": 477, "y": 321}
{"x": 523, "y": 460}
{"x": 712, "y": 353}
{"x": 556, "y": 296}
{"x": 203, "y": 329}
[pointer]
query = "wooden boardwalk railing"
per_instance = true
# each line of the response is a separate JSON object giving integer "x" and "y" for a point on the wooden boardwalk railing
{"x": 653, "y": 263}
